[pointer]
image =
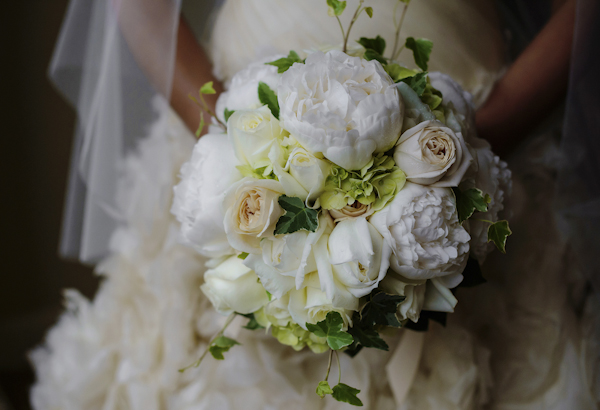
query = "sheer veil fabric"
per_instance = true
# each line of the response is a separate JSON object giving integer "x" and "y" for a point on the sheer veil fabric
{"x": 515, "y": 343}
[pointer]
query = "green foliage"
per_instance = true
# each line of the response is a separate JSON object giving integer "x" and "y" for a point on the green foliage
{"x": 398, "y": 73}
{"x": 243, "y": 255}
{"x": 467, "y": 202}
{"x": 369, "y": 11}
{"x": 207, "y": 88}
{"x": 267, "y": 97}
{"x": 201, "y": 125}
{"x": 344, "y": 393}
{"x": 297, "y": 216}
{"x": 376, "y": 44}
{"x": 336, "y": 7}
{"x": 283, "y": 64}
{"x": 221, "y": 345}
{"x": 432, "y": 97}
{"x": 421, "y": 48}
{"x": 227, "y": 114}
{"x": 331, "y": 328}
{"x": 373, "y": 55}
{"x": 265, "y": 172}
{"x": 323, "y": 388}
{"x": 252, "y": 323}
{"x": 366, "y": 336}
{"x": 381, "y": 310}
{"x": 497, "y": 233}
{"x": 417, "y": 82}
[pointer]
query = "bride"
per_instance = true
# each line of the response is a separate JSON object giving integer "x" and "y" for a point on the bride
{"x": 527, "y": 339}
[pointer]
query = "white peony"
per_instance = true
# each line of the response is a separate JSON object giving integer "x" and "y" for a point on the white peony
{"x": 252, "y": 133}
{"x": 251, "y": 210}
{"x": 432, "y": 154}
{"x": 344, "y": 107}
{"x": 421, "y": 225}
{"x": 197, "y": 203}
{"x": 232, "y": 287}
{"x": 242, "y": 93}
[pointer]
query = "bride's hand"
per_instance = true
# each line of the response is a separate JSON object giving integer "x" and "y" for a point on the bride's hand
{"x": 533, "y": 85}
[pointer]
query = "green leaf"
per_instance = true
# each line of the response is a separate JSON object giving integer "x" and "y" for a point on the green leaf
{"x": 201, "y": 125}
{"x": 397, "y": 72}
{"x": 421, "y": 48}
{"x": 468, "y": 201}
{"x": 374, "y": 55}
{"x": 367, "y": 336}
{"x": 243, "y": 255}
{"x": 331, "y": 328}
{"x": 376, "y": 44}
{"x": 336, "y": 7}
{"x": 323, "y": 388}
{"x": 207, "y": 88}
{"x": 227, "y": 114}
{"x": 221, "y": 345}
{"x": 297, "y": 216}
{"x": 417, "y": 82}
{"x": 497, "y": 233}
{"x": 267, "y": 97}
{"x": 252, "y": 323}
{"x": 369, "y": 11}
{"x": 472, "y": 275}
{"x": 343, "y": 392}
{"x": 381, "y": 310}
{"x": 283, "y": 64}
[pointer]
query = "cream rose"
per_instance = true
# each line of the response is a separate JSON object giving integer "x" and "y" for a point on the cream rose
{"x": 351, "y": 211}
{"x": 233, "y": 287}
{"x": 251, "y": 212}
{"x": 432, "y": 154}
{"x": 310, "y": 172}
{"x": 311, "y": 305}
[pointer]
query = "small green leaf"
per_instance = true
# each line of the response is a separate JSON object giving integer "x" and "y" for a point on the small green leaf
{"x": 376, "y": 44}
{"x": 227, "y": 114}
{"x": 367, "y": 336}
{"x": 468, "y": 201}
{"x": 374, "y": 55}
{"x": 252, "y": 323}
{"x": 243, "y": 255}
{"x": 221, "y": 345}
{"x": 381, "y": 310}
{"x": 344, "y": 393}
{"x": 398, "y": 73}
{"x": 267, "y": 97}
{"x": 297, "y": 216}
{"x": 323, "y": 388}
{"x": 336, "y": 7}
{"x": 369, "y": 11}
{"x": 417, "y": 82}
{"x": 497, "y": 233}
{"x": 201, "y": 125}
{"x": 207, "y": 88}
{"x": 331, "y": 328}
{"x": 421, "y": 48}
{"x": 283, "y": 64}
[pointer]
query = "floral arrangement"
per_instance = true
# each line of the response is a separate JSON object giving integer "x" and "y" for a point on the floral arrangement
{"x": 349, "y": 194}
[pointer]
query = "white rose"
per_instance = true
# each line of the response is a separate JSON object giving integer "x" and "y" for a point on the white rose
{"x": 242, "y": 93}
{"x": 421, "y": 225}
{"x": 344, "y": 107}
{"x": 277, "y": 311}
{"x": 233, "y": 287}
{"x": 251, "y": 212}
{"x": 197, "y": 202}
{"x": 359, "y": 257}
{"x": 351, "y": 211}
{"x": 252, "y": 133}
{"x": 432, "y": 154}
{"x": 311, "y": 305}
{"x": 310, "y": 172}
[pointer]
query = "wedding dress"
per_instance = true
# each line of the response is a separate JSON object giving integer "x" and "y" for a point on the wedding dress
{"x": 524, "y": 340}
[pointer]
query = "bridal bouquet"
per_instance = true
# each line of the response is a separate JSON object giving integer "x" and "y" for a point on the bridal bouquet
{"x": 348, "y": 195}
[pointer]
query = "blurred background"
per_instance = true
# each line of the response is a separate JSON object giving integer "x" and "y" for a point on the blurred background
{"x": 36, "y": 146}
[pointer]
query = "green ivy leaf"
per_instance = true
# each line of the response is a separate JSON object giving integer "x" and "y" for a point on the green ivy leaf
{"x": 344, "y": 393}
{"x": 468, "y": 201}
{"x": 417, "y": 82}
{"x": 421, "y": 48}
{"x": 252, "y": 323}
{"x": 331, "y": 328}
{"x": 200, "y": 126}
{"x": 323, "y": 388}
{"x": 221, "y": 345}
{"x": 227, "y": 114}
{"x": 267, "y": 97}
{"x": 283, "y": 64}
{"x": 376, "y": 44}
{"x": 243, "y": 255}
{"x": 297, "y": 216}
{"x": 398, "y": 73}
{"x": 381, "y": 310}
{"x": 497, "y": 233}
{"x": 369, "y": 11}
{"x": 336, "y": 7}
{"x": 367, "y": 336}
{"x": 472, "y": 275}
{"x": 207, "y": 88}
{"x": 374, "y": 55}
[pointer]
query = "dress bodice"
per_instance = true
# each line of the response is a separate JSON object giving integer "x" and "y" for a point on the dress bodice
{"x": 466, "y": 34}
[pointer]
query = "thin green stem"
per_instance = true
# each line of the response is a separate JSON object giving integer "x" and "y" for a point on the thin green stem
{"x": 483, "y": 220}
{"x": 329, "y": 365}
{"x": 339, "y": 367}
{"x": 356, "y": 14}
{"x": 341, "y": 28}
{"x": 197, "y": 362}
{"x": 211, "y": 113}
{"x": 395, "y": 53}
